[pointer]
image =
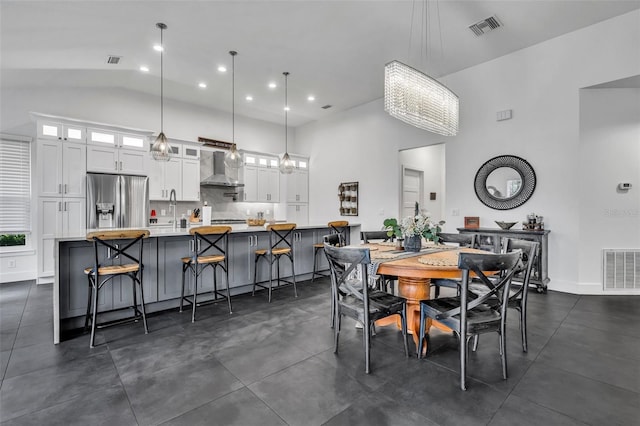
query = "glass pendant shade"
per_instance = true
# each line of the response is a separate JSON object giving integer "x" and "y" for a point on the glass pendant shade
{"x": 286, "y": 164}
{"x": 160, "y": 150}
{"x": 419, "y": 100}
{"x": 233, "y": 158}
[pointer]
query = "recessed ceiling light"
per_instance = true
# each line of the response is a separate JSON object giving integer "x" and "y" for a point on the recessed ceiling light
{"x": 286, "y": 108}
{"x": 249, "y": 98}
{"x": 311, "y": 98}
{"x": 202, "y": 85}
{"x": 272, "y": 85}
{"x": 222, "y": 68}
{"x": 144, "y": 68}
{"x": 157, "y": 48}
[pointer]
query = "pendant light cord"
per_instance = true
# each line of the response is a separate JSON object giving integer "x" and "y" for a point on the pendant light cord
{"x": 161, "y": 78}
{"x": 286, "y": 110}
{"x": 233, "y": 96}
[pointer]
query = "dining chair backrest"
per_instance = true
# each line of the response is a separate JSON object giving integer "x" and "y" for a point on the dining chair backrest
{"x": 333, "y": 240}
{"x": 480, "y": 266}
{"x": 368, "y": 236}
{"x": 345, "y": 263}
{"x": 463, "y": 240}
{"x": 529, "y": 253}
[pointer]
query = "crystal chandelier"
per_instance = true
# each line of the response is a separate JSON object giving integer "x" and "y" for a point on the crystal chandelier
{"x": 286, "y": 164}
{"x": 419, "y": 100}
{"x": 232, "y": 158}
{"x": 160, "y": 149}
{"x": 414, "y": 97}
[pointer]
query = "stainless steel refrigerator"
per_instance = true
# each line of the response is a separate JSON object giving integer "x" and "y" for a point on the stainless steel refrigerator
{"x": 117, "y": 201}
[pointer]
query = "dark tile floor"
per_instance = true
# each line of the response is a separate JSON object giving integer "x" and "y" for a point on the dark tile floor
{"x": 273, "y": 364}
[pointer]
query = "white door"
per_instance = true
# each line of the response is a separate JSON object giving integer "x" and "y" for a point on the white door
{"x": 412, "y": 190}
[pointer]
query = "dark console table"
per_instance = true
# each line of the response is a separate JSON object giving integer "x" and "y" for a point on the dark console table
{"x": 491, "y": 239}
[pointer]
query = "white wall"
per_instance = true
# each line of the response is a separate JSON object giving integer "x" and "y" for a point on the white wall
{"x": 609, "y": 154}
{"x": 540, "y": 84}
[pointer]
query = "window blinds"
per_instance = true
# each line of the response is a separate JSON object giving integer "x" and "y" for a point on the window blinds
{"x": 15, "y": 185}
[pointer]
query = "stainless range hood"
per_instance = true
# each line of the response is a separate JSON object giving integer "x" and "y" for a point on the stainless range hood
{"x": 219, "y": 176}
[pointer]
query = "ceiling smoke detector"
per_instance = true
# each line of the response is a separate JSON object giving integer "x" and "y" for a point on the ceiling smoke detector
{"x": 484, "y": 26}
{"x": 115, "y": 60}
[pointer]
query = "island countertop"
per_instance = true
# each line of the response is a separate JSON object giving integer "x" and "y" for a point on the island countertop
{"x": 168, "y": 230}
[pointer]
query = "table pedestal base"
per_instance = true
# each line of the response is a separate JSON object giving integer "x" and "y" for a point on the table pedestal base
{"x": 414, "y": 290}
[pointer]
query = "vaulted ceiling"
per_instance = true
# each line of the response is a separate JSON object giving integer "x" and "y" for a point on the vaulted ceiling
{"x": 334, "y": 50}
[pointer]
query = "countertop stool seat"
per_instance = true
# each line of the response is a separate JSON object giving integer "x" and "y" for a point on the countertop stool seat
{"x": 210, "y": 246}
{"x": 117, "y": 254}
{"x": 339, "y": 227}
{"x": 280, "y": 244}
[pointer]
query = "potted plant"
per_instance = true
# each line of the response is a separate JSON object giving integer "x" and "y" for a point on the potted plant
{"x": 413, "y": 229}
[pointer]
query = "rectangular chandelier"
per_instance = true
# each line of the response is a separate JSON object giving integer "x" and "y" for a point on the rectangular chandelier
{"x": 419, "y": 100}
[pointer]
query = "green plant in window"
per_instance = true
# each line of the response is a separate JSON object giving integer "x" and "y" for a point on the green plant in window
{"x": 7, "y": 240}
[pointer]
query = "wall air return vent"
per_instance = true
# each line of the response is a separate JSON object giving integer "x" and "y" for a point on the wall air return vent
{"x": 621, "y": 269}
{"x": 484, "y": 26}
{"x": 115, "y": 60}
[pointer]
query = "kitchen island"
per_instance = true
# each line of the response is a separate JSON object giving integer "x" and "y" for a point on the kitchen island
{"x": 163, "y": 270}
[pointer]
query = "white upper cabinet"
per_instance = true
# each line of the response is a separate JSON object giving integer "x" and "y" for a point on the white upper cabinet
{"x": 62, "y": 132}
{"x": 190, "y": 179}
{"x": 261, "y": 178}
{"x": 114, "y": 152}
{"x": 61, "y": 168}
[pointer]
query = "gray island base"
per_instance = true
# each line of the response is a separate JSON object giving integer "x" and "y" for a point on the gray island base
{"x": 162, "y": 278}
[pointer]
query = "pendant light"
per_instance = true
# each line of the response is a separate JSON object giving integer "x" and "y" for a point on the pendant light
{"x": 232, "y": 158}
{"x": 286, "y": 164}
{"x": 160, "y": 149}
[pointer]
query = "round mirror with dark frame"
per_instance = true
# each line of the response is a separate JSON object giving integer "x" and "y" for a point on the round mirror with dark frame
{"x": 505, "y": 182}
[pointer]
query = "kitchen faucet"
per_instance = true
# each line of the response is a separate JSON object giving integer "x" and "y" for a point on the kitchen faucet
{"x": 173, "y": 203}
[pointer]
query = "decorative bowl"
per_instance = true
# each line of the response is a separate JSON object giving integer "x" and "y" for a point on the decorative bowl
{"x": 505, "y": 225}
{"x": 256, "y": 222}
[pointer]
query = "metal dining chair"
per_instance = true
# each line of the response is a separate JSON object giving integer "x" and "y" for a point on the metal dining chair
{"x": 280, "y": 245}
{"x": 468, "y": 318}
{"x": 462, "y": 240}
{"x": 339, "y": 227}
{"x": 352, "y": 296}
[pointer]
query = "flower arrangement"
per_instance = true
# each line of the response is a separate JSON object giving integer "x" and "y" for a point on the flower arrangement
{"x": 419, "y": 224}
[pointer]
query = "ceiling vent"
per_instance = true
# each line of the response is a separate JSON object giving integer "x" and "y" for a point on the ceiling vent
{"x": 484, "y": 26}
{"x": 326, "y": 107}
{"x": 115, "y": 60}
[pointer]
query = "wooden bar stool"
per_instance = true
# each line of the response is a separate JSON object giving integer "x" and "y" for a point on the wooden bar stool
{"x": 210, "y": 248}
{"x": 117, "y": 253}
{"x": 339, "y": 227}
{"x": 280, "y": 244}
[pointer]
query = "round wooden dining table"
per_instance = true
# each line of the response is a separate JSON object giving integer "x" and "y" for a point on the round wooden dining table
{"x": 414, "y": 279}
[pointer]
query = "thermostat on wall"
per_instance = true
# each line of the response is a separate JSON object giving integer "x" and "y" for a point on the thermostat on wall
{"x": 624, "y": 186}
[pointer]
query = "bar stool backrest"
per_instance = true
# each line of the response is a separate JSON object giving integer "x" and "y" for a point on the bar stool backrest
{"x": 340, "y": 227}
{"x": 103, "y": 238}
{"x": 206, "y": 238}
{"x": 281, "y": 235}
